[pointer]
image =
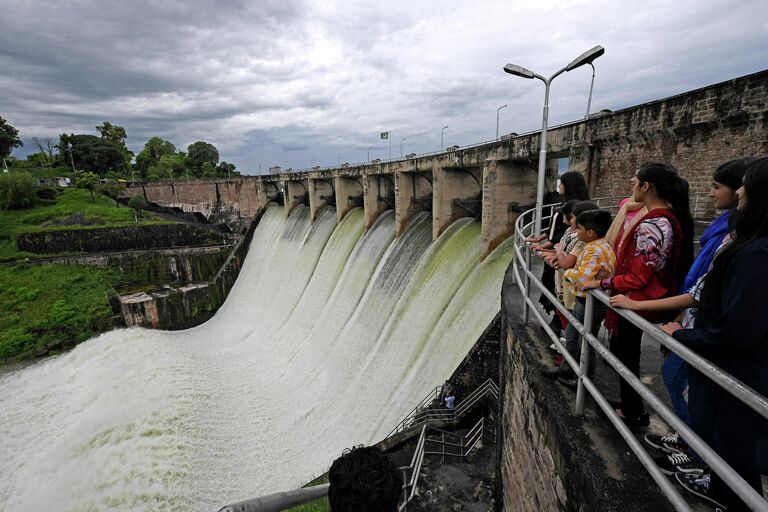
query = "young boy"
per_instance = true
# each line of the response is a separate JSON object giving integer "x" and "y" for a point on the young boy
{"x": 596, "y": 261}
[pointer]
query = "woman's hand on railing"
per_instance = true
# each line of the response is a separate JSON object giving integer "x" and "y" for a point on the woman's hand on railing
{"x": 622, "y": 301}
{"x": 671, "y": 328}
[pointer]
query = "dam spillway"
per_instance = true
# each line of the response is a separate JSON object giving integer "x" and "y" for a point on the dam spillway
{"x": 330, "y": 335}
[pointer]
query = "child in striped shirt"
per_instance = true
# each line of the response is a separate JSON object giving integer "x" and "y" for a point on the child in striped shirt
{"x": 596, "y": 261}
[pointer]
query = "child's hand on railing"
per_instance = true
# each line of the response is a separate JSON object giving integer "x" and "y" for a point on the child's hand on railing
{"x": 583, "y": 286}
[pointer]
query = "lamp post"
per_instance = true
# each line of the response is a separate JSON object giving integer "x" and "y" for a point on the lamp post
{"x": 585, "y": 58}
{"x": 442, "y": 132}
{"x": 369, "y": 154}
{"x": 498, "y": 111}
{"x": 338, "y": 158}
{"x": 401, "y": 146}
{"x": 591, "y": 86}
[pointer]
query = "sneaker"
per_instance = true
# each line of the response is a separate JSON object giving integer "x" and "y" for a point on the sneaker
{"x": 678, "y": 462}
{"x": 698, "y": 485}
{"x": 667, "y": 444}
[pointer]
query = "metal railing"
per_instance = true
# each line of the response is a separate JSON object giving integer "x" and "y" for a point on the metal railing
{"x": 465, "y": 444}
{"x": 279, "y": 500}
{"x": 527, "y": 282}
{"x": 422, "y": 414}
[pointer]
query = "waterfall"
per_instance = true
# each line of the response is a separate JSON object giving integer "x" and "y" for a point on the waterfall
{"x": 328, "y": 338}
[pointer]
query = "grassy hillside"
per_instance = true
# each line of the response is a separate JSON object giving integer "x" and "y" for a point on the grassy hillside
{"x": 74, "y": 209}
{"x": 43, "y": 303}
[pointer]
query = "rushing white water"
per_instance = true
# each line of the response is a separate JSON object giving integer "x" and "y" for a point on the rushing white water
{"x": 327, "y": 339}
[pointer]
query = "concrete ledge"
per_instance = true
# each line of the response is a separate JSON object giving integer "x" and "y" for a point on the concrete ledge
{"x": 550, "y": 459}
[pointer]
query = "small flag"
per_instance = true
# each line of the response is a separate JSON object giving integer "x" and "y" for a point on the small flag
{"x": 384, "y": 135}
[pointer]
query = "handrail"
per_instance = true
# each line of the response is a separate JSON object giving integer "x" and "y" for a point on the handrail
{"x": 279, "y": 500}
{"x": 420, "y": 415}
{"x": 585, "y": 384}
{"x": 467, "y": 444}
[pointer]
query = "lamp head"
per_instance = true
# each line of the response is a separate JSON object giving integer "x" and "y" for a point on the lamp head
{"x": 586, "y": 57}
{"x": 514, "y": 69}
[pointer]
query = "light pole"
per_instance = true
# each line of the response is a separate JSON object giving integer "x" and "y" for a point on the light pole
{"x": 401, "y": 146}
{"x": 498, "y": 111}
{"x": 338, "y": 158}
{"x": 591, "y": 86}
{"x": 442, "y": 132}
{"x": 369, "y": 154}
{"x": 585, "y": 58}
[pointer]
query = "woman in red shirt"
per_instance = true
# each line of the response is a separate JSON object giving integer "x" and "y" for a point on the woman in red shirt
{"x": 651, "y": 264}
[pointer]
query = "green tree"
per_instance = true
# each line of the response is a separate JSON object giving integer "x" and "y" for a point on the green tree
{"x": 9, "y": 139}
{"x": 150, "y": 155}
{"x": 91, "y": 153}
{"x": 17, "y": 190}
{"x": 226, "y": 169}
{"x": 200, "y": 153}
{"x": 112, "y": 189}
{"x": 116, "y": 135}
{"x": 88, "y": 180}
{"x": 138, "y": 203}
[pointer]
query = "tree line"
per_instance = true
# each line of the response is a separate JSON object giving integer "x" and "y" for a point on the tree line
{"x": 107, "y": 156}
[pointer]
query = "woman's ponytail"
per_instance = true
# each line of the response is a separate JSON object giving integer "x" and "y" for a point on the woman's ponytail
{"x": 673, "y": 189}
{"x": 679, "y": 200}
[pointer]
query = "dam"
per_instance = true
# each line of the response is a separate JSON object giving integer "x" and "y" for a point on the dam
{"x": 363, "y": 288}
{"x": 329, "y": 336}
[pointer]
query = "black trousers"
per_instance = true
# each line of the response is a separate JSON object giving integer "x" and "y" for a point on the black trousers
{"x": 625, "y": 345}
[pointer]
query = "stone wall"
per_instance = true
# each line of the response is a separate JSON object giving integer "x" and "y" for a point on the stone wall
{"x": 695, "y": 131}
{"x": 482, "y": 361}
{"x": 550, "y": 459}
{"x": 118, "y": 239}
{"x": 154, "y": 266}
{"x": 186, "y": 306}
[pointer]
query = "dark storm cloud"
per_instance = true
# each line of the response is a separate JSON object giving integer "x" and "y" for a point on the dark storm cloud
{"x": 300, "y": 82}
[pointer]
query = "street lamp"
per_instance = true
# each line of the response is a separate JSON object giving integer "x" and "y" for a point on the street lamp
{"x": 585, "y": 58}
{"x": 591, "y": 86}
{"x": 369, "y": 154}
{"x": 338, "y": 158}
{"x": 442, "y": 132}
{"x": 401, "y": 146}
{"x": 498, "y": 111}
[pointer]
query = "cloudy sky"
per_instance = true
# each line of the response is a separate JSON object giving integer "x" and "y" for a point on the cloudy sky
{"x": 296, "y": 83}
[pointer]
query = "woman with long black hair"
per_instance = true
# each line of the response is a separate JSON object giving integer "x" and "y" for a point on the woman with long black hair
{"x": 731, "y": 331}
{"x": 572, "y": 186}
{"x": 651, "y": 264}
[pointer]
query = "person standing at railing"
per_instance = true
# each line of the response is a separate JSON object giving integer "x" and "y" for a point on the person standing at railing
{"x": 595, "y": 262}
{"x": 726, "y": 180}
{"x": 651, "y": 264}
{"x": 731, "y": 331}
{"x": 572, "y": 186}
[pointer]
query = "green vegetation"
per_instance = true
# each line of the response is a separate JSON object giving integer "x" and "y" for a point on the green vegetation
{"x": 40, "y": 304}
{"x": 73, "y": 210}
{"x": 320, "y": 505}
{"x": 17, "y": 191}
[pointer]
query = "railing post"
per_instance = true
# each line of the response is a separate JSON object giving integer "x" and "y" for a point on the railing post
{"x": 589, "y": 308}
{"x": 527, "y": 284}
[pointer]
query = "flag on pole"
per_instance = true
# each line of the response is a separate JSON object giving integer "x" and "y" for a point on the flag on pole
{"x": 384, "y": 135}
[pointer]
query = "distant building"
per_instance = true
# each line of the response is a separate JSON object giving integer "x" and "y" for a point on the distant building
{"x": 274, "y": 170}
{"x": 62, "y": 181}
